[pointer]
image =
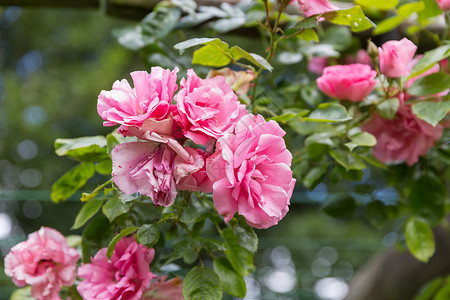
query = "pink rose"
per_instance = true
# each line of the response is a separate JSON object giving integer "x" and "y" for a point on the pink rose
{"x": 444, "y": 4}
{"x": 347, "y": 82}
{"x": 395, "y": 56}
{"x": 239, "y": 81}
{"x": 194, "y": 181}
{"x": 125, "y": 276}
{"x": 362, "y": 57}
{"x": 206, "y": 108}
{"x": 251, "y": 172}
{"x": 314, "y": 7}
{"x": 148, "y": 102}
{"x": 151, "y": 169}
{"x": 404, "y": 138}
{"x": 164, "y": 289}
{"x": 43, "y": 261}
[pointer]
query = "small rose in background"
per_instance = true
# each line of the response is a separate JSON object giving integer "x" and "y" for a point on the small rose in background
{"x": 164, "y": 289}
{"x": 405, "y": 138}
{"x": 444, "y": 4}
{"x": 314, "y": 7}
{"x": 124, "y": 276}
{"x": 347, "y": 82}
{"x": 361, "y": 57}
{"x": 317, "y": 64}
{"x": 251, "y": 173}
{"x": 43, "y": 261}
{"x": 239, "y": 81}
{"x": 395, "y": 56}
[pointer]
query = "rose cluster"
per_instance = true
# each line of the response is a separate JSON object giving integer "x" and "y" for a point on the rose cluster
{"x": 406, "y": 136}
{"x": 239, "y": 157}
{"x": 46, "y": 263}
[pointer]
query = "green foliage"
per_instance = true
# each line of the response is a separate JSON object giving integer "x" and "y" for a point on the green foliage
{"x": 363, "y": 139}
{"x": 95, "y": 236}
{"x": 428, "y": 198}
{"x": 431, "y": 84}
{"x": 88, "y": 210}
{"x": 22, "y": 294}
{"x": 342, "y": 206}
{"x": 429, "y": 59}
{"x": 380, "y": 4}
{"x": 148, "y": 235}
{"x": 376, "y": 213}
{"x": 404, "y": 11}
{"x": 114, "y": 208}
{"x": 246, "y": 236}
{"x": 349, "y": 160}
{"x": 232, "y": 282}
{"x": 353, "y": 17}
{"x": 329, "y": 112}
{"x": 432, "y": 112}
{"x": 92, "y": 148}
{"x": 240, "y": 258}
{"x": 419, "y": 239}
{"x": 388, "y": 108}
{"x": 202, "y": 283}
{"x": 72, "y": 181}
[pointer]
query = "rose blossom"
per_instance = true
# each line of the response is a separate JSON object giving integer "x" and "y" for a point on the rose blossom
{"x": 194, "y": 180}
{"x": 347, "y": 82}
{"x": 164, "y": 289}
{"x": 404, "y": 138}
{"x": 251, "y": 173}
{"x": 395, "y": 56}
{"x": 444, "y": 4}
{"x": 206, "y": 108}
{"x": 123, "y": 277}
{"x": 316, "y": 64}
{"x": 314, "y": 7}
{"x": 148, "y": 102}
{"x": 43, "y": 261}
{"x": 239, "y": 81}
{"x": 149, "y": 168}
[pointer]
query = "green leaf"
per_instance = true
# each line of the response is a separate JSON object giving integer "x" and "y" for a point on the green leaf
{"x": 22, "y": 294}
{"x": 407, "y": 9}
{"x": 329, "y": 112}
{"x": 95, "y": 236}
{"x": 181, "y": 47}
{"x": 210, "y": 56}
{"x": 72, "y": 181}
{"x": 202, "y": 283}
{"x": 348, "y": 160}
{"x": 306, "y": 23}
{"x": 114, "y": 208}
{"x": 429, "y": 59}
{"x": 431, "y": 112}
{"x": 363, "y": 138}
{"x": 379, "y": 4}
{"x": 148, "y": 235}
{"x": 340, "y": 207}
{"x": 132, "y": 37}
{"x": 376, "y": 214}
{"x": 92, "y": 148}
{"x": 388, "y": 108}
{"x": 431, "y": 10}
{"x": 428, "y": 198}
{"x": 104, "y": 167}
{"x": 430, "y": 84}
{"x": 238, "y": 53}
{"x": 232, "y": 282}
{"x": 88, "y": 210}
{"x": 161, "y": 21}
{"x": 388, "y": 24}
{"x": 117, "y": 238}
{"x": 246, "y": 236}
{"x": 194, "y": 214}
{"x": 308, "y": 35}
{"x": 443, "y": 293}
{"x": 240, "y": 258}
{"x": 419, "y": 239}
{"x": 111, "y": 142}
{"x": 353, "y": 17}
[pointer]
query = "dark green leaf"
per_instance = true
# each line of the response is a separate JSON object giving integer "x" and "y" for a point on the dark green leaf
{"x": 232, "y": 282}
{"x": 313, "y": 174}
{"x": 114, "y": 208}
{"x": 111, "y": 142}
{"x": 72, "y": 181}
{"x": 240, "y": 259}
{"x": 428, "y": 198}
{"x": 117, "y": 238}
{"x": 305, "y": 23}
{"x": 419, "y": 239}
{"x": 104, "y": 167}
{"x": 95, "y": 236}
{"x": 353, "y": 17}
{"x": 348, "y": 160}
{"x": 363, "y": 138}
{"x": 238, "y": 53}
{"x": 431, "y": 84}
{"x": 88, "y": 210}
{"x": 376, "y": 213}
{"x": 92, "y": 148}
{"x": 329, "y": 112}
{"x": 340, "y": 207}
{"x": 388, "y": 108}
{"x": 202, "y": 283}
{"x": 132, "y": 37}
{"x": 161, "y": 21}
{"x": 246, "y": 236}
{"x": 148, "y": 235}
{"x": 432, "y": 112}
{"x": 429, "y": 59}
